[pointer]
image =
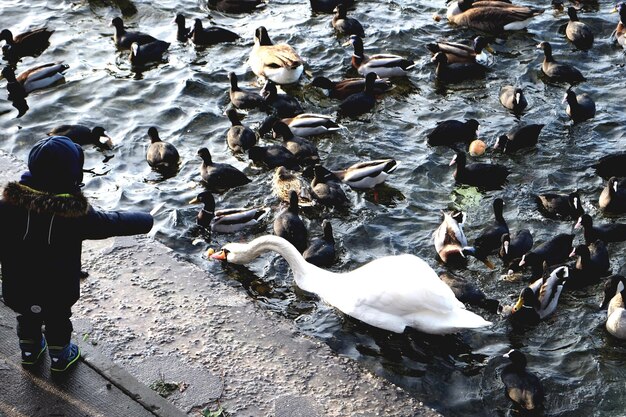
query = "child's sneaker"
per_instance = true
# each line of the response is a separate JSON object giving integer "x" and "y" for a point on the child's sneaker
{"x": 62, "y": 358}
{"x": 32, "y": 351}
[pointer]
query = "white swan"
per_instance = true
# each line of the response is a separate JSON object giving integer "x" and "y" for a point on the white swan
{"x": 615, "y": 300}
{"x": 391, "y": 293}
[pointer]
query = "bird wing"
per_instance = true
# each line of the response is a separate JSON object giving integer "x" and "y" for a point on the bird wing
{"x": 388, "y": 61}
{"x": 280, "y": 55}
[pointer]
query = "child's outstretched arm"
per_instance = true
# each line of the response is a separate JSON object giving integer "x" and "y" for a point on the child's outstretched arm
{"x": 104, "y": 224}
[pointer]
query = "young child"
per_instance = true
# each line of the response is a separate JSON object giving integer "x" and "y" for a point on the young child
{"x": 43, "y": 220}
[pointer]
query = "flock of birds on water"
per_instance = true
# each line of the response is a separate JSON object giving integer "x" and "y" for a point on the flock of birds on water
{"x": 392, "y": 292}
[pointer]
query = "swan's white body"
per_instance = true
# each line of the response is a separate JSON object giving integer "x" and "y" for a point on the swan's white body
{"x": 391, "y": 293}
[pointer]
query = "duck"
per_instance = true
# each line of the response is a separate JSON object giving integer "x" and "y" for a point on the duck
{"x": 36, "y": 78}
{"x": 124, "y": 39}
{"x": 161, "y": 156}
{"x": 521, "y": 386}
{"x": 449, "y": 132}
{"x": 448, "y": 72}
{"x": 213, "y": 35}
{"x": 29, "y": 43}
{"x": 542, "y": 296}
{"x": 346, "y": 25}
{"x": 273, "y": 156}
{"x": 228, "y": 220}
{"x": 303, "y": 149}
{"x": 512, "y": 98}
{"x": 565, "y": 206}
{"x": 321, "y": 252}
{"x": 579, "y": 107}
{"x": 367, "y": 174}
{"x": 490, "y": 239}
{"x": 492, "y": 17}
{"x": 384, "y": 65}
{"x": 552, "y": 252}
{"x": 148, "y": 52}
{"x": 236, "y": 6}
{"x": 512, "y": 250}
{"x": 219, "y": 176}
{"x": 328, "y": 6}
{"x": 482, "y": 175}
{"x": 525, "y": 136}
{"x": 326, "y": 188}
{"x": 244, "y": 99}
{"x": 83, "y": 135}
{"x": 612, "y": 165}
{"x": 284, "y": 181}
{"x": 556, "y": 71}
{"x": 360, "y": 103}
{"x": 289, "y": 226}
{"x": 457, "y": 53}
{"x": 182, "y": 31}
{"x": 577, "y": 32}
{"x": 305, "y": 124}
{"x": 592, "y": 263}
{"x": 613, "y": 197}
{"x": 450, "y": 239}
{"x": 608, "y": 232}
{"x": 620, "y": 31}
{"x": 414, "y": 295}
{"x": 614, "y": 300}
{"x": 279, "y": 63}
{"x": 469, "y": 293}
{"x": 283, "y": 105}
{"x": 345, "y": 88}
{"x": 239, "y": 138}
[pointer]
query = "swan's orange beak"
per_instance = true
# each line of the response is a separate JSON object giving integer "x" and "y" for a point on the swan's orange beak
{"x": 220, "y": 256}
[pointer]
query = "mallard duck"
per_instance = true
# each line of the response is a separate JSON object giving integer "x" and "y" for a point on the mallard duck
{"x": 360, "y": 103}
{"x": 481, "y": 175}
{"x": 239, "y": 138}
{"x": 236, "y": 6}
{"x": 288, "y": 225}
{"x": 414, "y": 295}
{"x": 305, "y": 124}
{"x": 83, "y": 135}
{"x": 283, "y": 104}
{"x": 321, "y": 252}
{"x": 219, "y": 176}
{"x": 552, "y": 252}
{"x": 326, "y": 188}
{"x": 620, "y": 31}
{"x": 29, "y": 43}
{"x": 567, "y": 206}
{"x": 35, "y": 78}
{"x": 284, "y": 181}
{"x": 273, "y": 156}
{"x": 448, "y": 72}
{"x": 383, "y": 65}
{"x": 182, "y": 31}
{"x": 525, "y": 136}
{"x": 577, "y": 32}
{"x": 613, "y": 197}
{"x": 228, "y": 220}
{"x": 542, "y": 296}
{"x": 592, "y": 263}
{"x": 449, "y": 132}
{"x": 608, "y": 232}
{"x": 346, "y": 25}
{"x": 148, "y": 52}
{"x": 468, "y": 292}
{"x": 449, "y": 238}
{"x": 490, "y": 16}
{"x": 161, "y": 156}
{"x": 202, "y": 36}
{"x": 614, "y": 300}
{"x": 513, "y": 249}
{"x": 304, "y": 150}
{"x": 520, "y": 386}
{"x": 513, "y": 98}
{"x": 556, "y": 71}
{"x": 457, "y": 53}
{"x": 579, "y": 107}
{"x": 368, "y": 174}
{"x": 243, "y": 99}
{"x": 124, "y": 39}
{"x": 344, "y": 88}
{"x": 279, "y": 63}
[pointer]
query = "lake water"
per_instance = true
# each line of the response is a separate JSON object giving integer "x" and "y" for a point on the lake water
{"x": 581, "y": 365}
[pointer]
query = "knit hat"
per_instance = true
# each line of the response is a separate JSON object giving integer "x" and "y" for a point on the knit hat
{"x": 55, "y": 165}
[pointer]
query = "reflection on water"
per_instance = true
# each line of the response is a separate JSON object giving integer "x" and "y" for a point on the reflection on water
{"x": 185, "y": 98}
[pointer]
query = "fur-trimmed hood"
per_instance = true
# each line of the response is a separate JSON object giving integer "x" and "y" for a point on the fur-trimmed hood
{"x": 65, "y": 205}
